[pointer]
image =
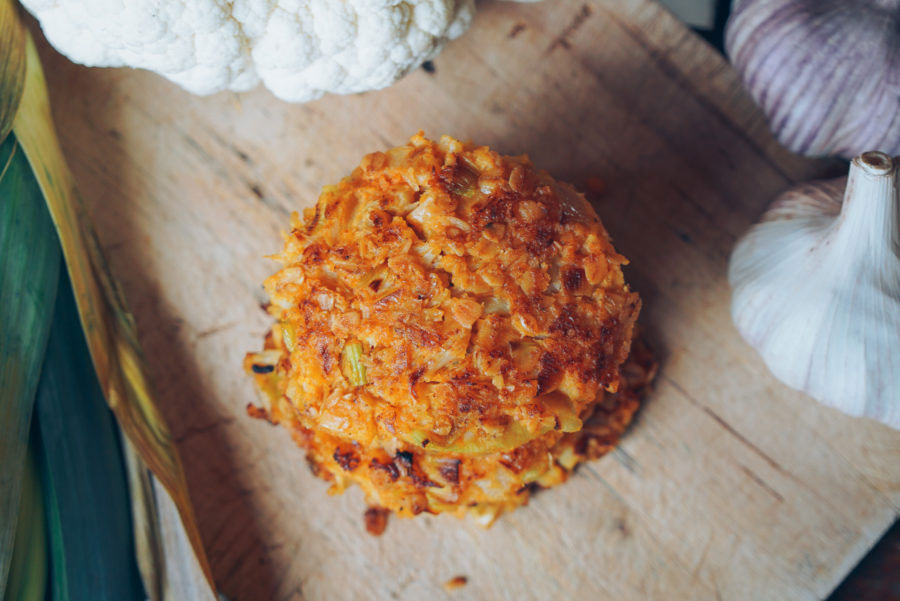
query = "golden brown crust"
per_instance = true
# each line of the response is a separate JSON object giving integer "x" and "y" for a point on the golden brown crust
{"x": 445, "y": 314}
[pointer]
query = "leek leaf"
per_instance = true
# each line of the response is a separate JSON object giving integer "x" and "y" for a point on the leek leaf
{"x": 108, "y": 326}
{"x": 12, "y": 64}
{"x": 29, "y": 268}
{"x": 85, "y": 487}
{"x": 28, "y": 570}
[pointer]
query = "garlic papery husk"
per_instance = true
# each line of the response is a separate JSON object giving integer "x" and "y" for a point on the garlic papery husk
{"x": 825, "y": 72}
{"x": 816, "y": 289}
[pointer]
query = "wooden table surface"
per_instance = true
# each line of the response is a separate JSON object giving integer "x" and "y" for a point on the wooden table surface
{"x": 728, "y": 486}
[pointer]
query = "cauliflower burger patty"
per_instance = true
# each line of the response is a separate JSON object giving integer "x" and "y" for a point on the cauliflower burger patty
{"x": 451, "y": 328}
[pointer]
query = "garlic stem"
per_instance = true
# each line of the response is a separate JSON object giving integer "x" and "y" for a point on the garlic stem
{"x": 869, "y": 225}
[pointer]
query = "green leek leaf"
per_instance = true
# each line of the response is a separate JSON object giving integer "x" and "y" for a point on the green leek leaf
{"x": 29, "y": 268}
{"x": 86, "y": 492}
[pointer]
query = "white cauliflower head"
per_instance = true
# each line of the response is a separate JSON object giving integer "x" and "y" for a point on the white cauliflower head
{"x": 300, "y": 49}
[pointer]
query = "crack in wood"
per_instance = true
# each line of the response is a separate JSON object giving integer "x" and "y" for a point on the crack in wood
{"x": 562, "y": 40}
{"x": 216, "y": 329}
{"x": 728, "y": 427}
{"x": 626, "y": 460}
{"x": 762, "y": 483}
{"x": 516, "y": 30}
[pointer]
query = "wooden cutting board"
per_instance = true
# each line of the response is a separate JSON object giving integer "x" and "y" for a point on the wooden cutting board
{"x": 729, "y": 486}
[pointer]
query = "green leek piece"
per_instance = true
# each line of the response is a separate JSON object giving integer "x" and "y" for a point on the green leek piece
{"x": 535, "y": 472}
{"x": 288, "y": 335}
{"x": 568, "y": 421}
{"x": 351, "y": 363}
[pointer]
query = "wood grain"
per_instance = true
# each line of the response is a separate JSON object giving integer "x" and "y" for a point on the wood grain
{"x": 729, "y": 486}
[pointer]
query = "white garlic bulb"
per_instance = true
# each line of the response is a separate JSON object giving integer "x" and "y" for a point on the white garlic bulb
{"x": 816, "y": 289}
{"x": 825, "y": 72}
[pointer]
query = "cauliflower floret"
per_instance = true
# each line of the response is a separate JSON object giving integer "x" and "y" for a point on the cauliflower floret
{"x": 300, "y": 49}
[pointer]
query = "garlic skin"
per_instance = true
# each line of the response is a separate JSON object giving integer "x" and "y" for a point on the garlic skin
{"x": 825, "y": 72}
{"x": 816, "y": 289}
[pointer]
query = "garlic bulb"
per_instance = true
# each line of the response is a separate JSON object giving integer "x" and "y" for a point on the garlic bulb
{"x": 817, "y": 289}
{"x": 825, "y": 72}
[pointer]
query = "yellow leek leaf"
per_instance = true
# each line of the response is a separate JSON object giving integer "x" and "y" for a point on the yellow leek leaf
{"x": 108, "y": 326}
{"x": 12, "y": 64}
{"x": 28, "y": 571}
